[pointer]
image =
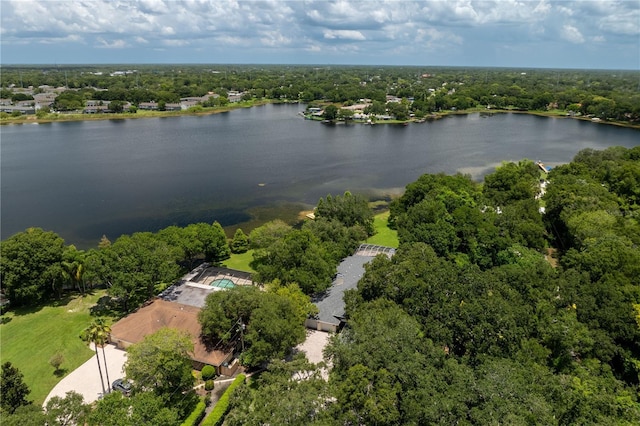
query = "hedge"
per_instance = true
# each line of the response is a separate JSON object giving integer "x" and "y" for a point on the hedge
{"x": 216, "y": 417}
{"x": 197, "y": 414}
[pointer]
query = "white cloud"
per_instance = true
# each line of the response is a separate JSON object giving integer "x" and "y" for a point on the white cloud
{"x": 627, "y": 23}
{"x": 464, "y": 11}
{"x": 572, "y": 34}
{"x": 391, "y": 27}
{"x": 70, "y": 38}
{"x": 274, "y": 39}
{"x": 156, "y": 7}
{"x": 344, "y": 35}
{"x": 564, "y": 10}
{"x": 467, "y": 13}
{"x": 543, "y": 8}
{"x": 175, "y": 42}
{"x": 230, "y": 40}
{"x": 112, "y": 44}
{"x": 432, "y": 35}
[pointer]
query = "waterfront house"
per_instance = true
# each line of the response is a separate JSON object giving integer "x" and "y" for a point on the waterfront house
{"x": 149, "y": 106}
{"x": 234, "y": 96}
{"x": 159, "y": 314}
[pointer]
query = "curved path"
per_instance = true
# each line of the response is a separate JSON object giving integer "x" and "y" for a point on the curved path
{"x": 86, "y": 380}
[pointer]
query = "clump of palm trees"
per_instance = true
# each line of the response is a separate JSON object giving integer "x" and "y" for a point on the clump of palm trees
{"x": 98, "y": 333}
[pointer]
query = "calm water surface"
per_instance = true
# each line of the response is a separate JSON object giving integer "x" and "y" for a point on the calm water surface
{"x": 86, "y": 179}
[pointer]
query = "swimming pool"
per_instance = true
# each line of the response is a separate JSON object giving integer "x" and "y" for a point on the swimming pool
{"x": 222, "y": 283}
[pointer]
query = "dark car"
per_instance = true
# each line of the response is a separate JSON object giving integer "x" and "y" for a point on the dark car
{"x": 122, "y": 385}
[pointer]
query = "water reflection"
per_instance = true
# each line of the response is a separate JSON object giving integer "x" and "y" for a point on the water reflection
{"x": 86, "y": 179}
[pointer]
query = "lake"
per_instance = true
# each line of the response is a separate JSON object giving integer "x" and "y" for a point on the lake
{"x": 89, "y": 178}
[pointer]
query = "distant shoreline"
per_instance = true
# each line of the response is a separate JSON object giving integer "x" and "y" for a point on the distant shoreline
{"x": 439, "y": 115}
{"x": 550, "y": 114}
{"x": 32, "y": 119}
{"x": 140, "y": 114}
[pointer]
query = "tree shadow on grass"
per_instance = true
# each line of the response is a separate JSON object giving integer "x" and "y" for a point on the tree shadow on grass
{"x": 26, "y": 310}
{"x": 64, "y": 300}
{"x": 59, "y": 373}
{"x": 106, "y": 306}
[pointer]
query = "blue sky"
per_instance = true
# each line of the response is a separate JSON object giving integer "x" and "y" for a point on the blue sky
{"x": 503, "y": 33}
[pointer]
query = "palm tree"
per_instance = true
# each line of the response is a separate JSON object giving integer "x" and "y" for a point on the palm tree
{"x": 97, "y": 333}
{"x": 72, "y": 272}
{"x": 77, "y": 277}
{"x": 102, "y": 338}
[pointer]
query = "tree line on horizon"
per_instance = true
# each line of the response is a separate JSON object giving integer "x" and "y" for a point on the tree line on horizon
{"x": 606, "y": 94}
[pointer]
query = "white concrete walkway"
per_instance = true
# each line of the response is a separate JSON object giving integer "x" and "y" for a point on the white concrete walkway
{"x": 86, "y": 379}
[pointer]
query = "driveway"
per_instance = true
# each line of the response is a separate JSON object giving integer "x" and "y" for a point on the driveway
{"x": 86, "y": 380}
{"x": 313, "y": 346}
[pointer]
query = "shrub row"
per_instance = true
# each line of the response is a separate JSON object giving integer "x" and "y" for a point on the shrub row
{"x": 197, "y": 414}
{"x": 222, "y": 407}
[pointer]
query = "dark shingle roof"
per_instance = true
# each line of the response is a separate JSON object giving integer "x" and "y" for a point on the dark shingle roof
{"x": 331, "y": 303}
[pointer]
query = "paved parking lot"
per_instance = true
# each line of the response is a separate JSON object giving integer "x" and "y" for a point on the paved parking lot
{"x": 86, "y": 380}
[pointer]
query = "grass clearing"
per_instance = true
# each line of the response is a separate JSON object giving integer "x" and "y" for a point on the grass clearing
{"x": 240, "y": 262}
{"x": 33, "y": 335}
{"x": 384, "y": 235}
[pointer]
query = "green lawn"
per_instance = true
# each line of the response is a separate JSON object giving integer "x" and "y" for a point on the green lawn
{"x": 32, "y": 336}
{"x": 240, "y": 262}
{"x": 384, "y": 236}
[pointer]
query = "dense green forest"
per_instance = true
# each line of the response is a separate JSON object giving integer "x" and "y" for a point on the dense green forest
{"x": 489, "y": 312}
{"x": 36, "y": 266}
{"x": 608, "y": 95}
{"x": 468, "y": 323}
